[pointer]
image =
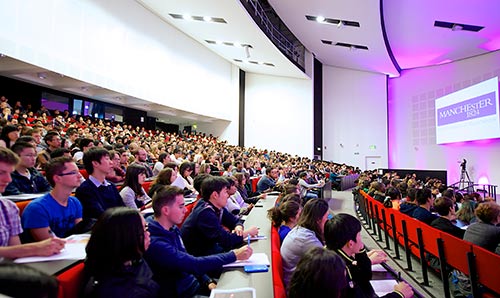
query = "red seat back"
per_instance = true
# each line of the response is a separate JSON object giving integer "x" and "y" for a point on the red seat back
{"x": 254, "y": 183}
{"x": 71, "y": 281}
{"x": 147, "y": 185}
{"x": 277, "y": 265}
{"x": 430, "y": 236}
{"x": 21, "y": 205}
{"x": 487, "y": 265}
{"x": 84, "y": 173}
{"x": 455, "y": 252}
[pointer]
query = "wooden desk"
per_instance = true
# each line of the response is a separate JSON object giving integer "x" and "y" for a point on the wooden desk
{"x": 262, "y": 282}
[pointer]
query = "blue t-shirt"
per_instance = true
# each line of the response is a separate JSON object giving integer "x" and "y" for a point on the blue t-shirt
{"x": 47, "y": 212}
{"x": 283, "y": 231}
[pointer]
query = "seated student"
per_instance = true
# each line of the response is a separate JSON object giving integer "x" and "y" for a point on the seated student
{"x": 393, "y": 198}
{"x": 268, "y": 182}
{"x": 132, "y": 192}
{"x": 285, "y": 216}
{"x": 424, "y": 201}
{"x": 343, "y": 235}
{"x": 235, "y": 203}
{"x": 118, "y": 174}
{"x": 166, "y": 177}
{"x": 97, "y": 194}
{"x": 242, "y": 190}
{"x": 446, "y": 210}
{"x": 57, "y": 212}
{"x": 319, "y": 271}
{"x": 115, "y": 266}
{"x": 179, "y": 273}
{"x": 485, "y": 231}
{"x": 10, "y": 223}
{"x": 84, "y": 144}
{"x": 19, "y": 280}
{"x": 409, "y": 205}
{"x": 26, "y": 179}
{"x": 305, "y": 188}
{"x": 307, "y": 234}
{"x": 203, "y": 232}
{"x": 377, "y": 191}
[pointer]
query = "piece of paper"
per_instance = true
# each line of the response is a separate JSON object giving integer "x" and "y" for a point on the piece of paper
{"x": 24, "y": 196}
{"x": 147, "y": 211}
{"x": 383, "y": 287}
{"x": 74, "y": 249}
{"x": 378, "y": 268}
{"x": 233, "y": 293}
{"x": 255, "y": 259}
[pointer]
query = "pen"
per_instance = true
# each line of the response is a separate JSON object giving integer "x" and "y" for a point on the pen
{"x": 248, "y": 239}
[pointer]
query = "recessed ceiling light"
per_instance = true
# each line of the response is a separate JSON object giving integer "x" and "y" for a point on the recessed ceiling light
{"x": 329, "y": 21}
{"x": 188, "y": 17}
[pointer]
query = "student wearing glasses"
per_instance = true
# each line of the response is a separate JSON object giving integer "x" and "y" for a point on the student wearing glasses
{"x": 25, "y": 178}
{"x": 57, "y": 212}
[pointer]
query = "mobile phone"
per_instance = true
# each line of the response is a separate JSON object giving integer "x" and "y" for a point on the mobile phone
{"x": 256, "y": 268}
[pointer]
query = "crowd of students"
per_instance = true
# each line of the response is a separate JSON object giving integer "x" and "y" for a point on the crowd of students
{"x": 162, "y": 255}
{"x": 170, "y": 255}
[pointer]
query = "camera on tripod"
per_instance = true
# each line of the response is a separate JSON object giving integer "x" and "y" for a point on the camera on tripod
{"x": 463, "y": 164}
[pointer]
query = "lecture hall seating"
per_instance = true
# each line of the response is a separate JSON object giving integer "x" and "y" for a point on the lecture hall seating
{"x": 419, "y": 239}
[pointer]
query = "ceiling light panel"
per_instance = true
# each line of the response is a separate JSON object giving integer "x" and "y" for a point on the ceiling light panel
{"x": 188, "y": 17}
{"x": 228, "y": 43}
{"x": 323, "y": 20}
{"x": 254, "y": 62}
{"x": 458, "y": 26}
{"x": 346, "y": 45}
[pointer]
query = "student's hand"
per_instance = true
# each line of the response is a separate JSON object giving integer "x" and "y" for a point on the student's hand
{"x": 249, "y": 207}
{"x": 253, "y": 231}
{"x": 49, "y": 246}
{"x": 243, "y": 253}
{"x": 404, "y": 289}
{"x": 377, "y": 256}
{"x": 212, "y": 286}
{"x": 238, "y": 230}
{"x": 262, "y": 196}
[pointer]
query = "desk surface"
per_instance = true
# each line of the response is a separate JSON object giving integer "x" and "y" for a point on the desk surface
{"x": 262, "y": 282}
{"x": 53, "y": 267}
{"x": 24, "y": 197}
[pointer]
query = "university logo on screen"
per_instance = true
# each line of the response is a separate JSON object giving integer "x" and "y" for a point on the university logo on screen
{"x": 477, "y": 107}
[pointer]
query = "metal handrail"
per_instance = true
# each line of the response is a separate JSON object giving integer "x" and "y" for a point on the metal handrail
{"x": 275, "y": 34}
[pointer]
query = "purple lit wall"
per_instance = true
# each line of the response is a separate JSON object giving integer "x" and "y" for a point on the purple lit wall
{"x": 411, "y": 134}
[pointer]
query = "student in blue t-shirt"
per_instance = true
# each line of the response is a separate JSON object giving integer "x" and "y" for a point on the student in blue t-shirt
{"x": 57, "y": 212}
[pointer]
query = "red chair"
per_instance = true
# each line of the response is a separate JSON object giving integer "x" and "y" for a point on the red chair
{"x": 71, "y": 282}
{"x": 147, "y": 185}
{"x": 254, "y": 183}
{"x": 84, "y": 173}
{"x": 21, "y": 205}
{"x": 487, "y": 265}
{"x": 457, "y": 253}
{"x": 277, "y": 265}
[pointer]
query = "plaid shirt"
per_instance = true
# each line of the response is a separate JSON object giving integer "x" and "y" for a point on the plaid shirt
{"x": 10, "y": 223}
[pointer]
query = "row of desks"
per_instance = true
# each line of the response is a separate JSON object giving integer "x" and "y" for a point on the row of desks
{"x": 230, "y": 278}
